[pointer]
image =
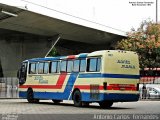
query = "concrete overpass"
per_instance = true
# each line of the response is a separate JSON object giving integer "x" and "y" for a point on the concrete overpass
{"x": 29, "y": 30}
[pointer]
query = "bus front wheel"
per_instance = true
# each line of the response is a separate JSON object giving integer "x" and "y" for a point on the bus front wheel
{"x": 77, "y": 98}
{"x": 106, "y": 104}
{"x": 30, "y": 97}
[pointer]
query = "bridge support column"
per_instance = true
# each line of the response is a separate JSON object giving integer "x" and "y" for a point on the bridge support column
{"x": 15, "y": 49}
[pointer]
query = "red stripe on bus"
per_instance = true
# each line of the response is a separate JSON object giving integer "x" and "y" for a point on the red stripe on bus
{"x": 122, "y": 85}
{"x": 88, "y": 87}
{"x": 71, "y": 57}
{"x": 58, "y": 85}
{"x": 61, "y": 80}
{"x": 121, "y": 88}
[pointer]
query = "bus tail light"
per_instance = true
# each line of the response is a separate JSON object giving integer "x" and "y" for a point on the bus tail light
{"x": 105, "y": 85}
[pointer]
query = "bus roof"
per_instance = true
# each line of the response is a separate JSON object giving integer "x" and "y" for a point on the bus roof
{"x": 81, "y": 55}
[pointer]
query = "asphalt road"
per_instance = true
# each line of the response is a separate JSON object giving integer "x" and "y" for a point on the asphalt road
{"x": 20, "y": 108}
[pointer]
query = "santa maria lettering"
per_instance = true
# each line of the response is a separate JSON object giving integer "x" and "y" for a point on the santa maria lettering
{"x": 41, "y": 79}
{"x": 126, "y": 64}
{"x": 123, "y": 61}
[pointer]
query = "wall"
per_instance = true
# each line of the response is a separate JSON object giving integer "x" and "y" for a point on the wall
{"x": 14, "y": 48}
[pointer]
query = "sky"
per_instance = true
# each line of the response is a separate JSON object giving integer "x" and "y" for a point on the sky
{"x": 118, "y": 14}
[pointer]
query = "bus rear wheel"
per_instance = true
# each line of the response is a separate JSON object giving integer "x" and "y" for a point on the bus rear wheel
{"x": 77, "y": 98}
{"x": 106, "y": 104}
{"x": 85, "y": 104}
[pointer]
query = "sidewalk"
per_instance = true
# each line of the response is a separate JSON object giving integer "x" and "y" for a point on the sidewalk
{"x": 149, "y": 99}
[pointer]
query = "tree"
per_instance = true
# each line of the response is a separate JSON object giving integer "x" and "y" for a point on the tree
{"x": 53, "y": 53}
{"x": 146, "y": 42}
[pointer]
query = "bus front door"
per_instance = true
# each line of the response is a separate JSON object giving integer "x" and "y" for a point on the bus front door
{"x": 21, "y": 74}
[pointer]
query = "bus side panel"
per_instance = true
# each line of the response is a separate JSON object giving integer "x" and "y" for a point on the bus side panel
{"x": 58, "y": 90}
{"x": 22, "y": 93}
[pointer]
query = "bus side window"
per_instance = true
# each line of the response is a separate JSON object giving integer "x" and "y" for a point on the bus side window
{"x": 82, "y": 65}
{"x": 63, "y": 66}
{"x": 40, "y": 68}
{"x": 69, "y": 66}
{"x": 98, "y": 64}
{"x": 76, "y": 65}
{"x": 93, "y": 64}
{"x": 54, "y": 67}
{"x": 32, "y": 68}
{"x": 46, "y": 68}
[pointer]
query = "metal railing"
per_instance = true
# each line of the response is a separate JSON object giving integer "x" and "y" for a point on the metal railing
{"x": 9, "y": 87}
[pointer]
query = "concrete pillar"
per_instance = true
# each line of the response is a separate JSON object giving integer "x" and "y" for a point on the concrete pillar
{"x": 16, "y": 48}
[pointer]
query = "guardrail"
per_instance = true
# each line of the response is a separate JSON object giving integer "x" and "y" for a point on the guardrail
{"x": 9, "y": 87}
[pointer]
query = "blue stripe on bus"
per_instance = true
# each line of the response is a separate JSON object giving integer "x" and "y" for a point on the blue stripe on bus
{"x": 83, "y": 55}
{"x": 117, "y": 97}
{"x": 99, "y": 75}
{"x": 55, "y": 95}
{"x": 45, "y": 59}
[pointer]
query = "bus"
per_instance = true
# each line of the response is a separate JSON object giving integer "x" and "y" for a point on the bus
{"x": 105, "y": 77}
{"x": 150, "y": 76}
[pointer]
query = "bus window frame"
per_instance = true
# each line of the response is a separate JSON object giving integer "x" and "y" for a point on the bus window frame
{"x": 57, "y": 67}
{"x": 80, "y": 59}
{"x": 85, "y": 65}
{"x": 48, "y": 62}
{"x": 29, "y": 68}
{"x": 37, "y": 67}
{"x": 42, "y": 68}
{"x": 65, "y": 67}
{"x": 78, "y": 65}
{"x": 71, "y": 66}
{"x": 94, "y": 57}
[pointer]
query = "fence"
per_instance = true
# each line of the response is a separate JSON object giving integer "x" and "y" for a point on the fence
{"x": 9, "y": 87}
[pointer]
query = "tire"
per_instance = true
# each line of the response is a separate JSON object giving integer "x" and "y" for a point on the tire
{"x": 77, "y": 98}
{"x": 106, "y": 104}
{"x": 36, "y": 101}
{"x": 57, "y": 101}
{"x": 85, "y": 104}
{"x": 30, "y": 97}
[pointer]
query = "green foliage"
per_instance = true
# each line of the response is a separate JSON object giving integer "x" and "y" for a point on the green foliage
{"x": 53, "y": 53}
{"x": 146, "y": 42}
